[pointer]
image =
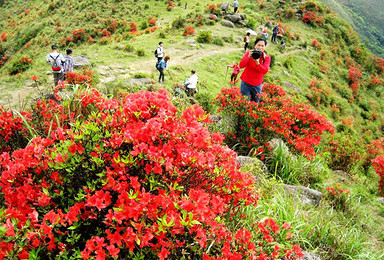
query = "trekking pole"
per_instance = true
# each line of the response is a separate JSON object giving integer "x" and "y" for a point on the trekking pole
{"x": 170, "y": 75}
{"x": 226, "y": 74}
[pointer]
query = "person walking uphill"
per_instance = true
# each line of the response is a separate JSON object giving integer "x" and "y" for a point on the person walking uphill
{"x": 57, "y": 61}
{"x": 161, "y": 66}
{"x": 275, "y": 31}
{"x": 256, "y": 64}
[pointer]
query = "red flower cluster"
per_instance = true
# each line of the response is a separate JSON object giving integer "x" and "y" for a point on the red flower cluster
{"x": 336, "y": 190}
{"x": 78, "y": 35}
{"x": 188, "y": 30}
{"x": 133, "y": 27}
{"x": 127, "y": 177}
{"x": 354, "y": 75}
{"x": 84, "y": 77}
{"x": 152, "y": 21}
{"x": 312, "y": 19}
{"x": 12, "y": 130}
{"x": 379, "y": 63}
{"x": 3, "y": 37}
{"x": 338, "y": 196}
{"x": 378, "y": 165}
{"x": 276, "y": 116}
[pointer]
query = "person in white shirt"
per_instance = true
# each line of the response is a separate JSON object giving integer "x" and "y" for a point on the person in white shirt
{"x": 235, "y": 6}
{"x": 160, "y": 51}
{"x": 191, "y": 84}
{"x": 57, "y": 61}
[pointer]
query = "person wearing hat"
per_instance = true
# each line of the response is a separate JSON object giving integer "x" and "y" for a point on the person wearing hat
{"x": 57, "y": 61}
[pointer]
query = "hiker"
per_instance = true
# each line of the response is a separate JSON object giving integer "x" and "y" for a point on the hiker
{"x": 161, "y": 66}
{"x": 275, "y": 31}
{"x": 159, "y": 53}
{"x": 190, "y": 84}
{"x": 282, "y": 44}
{"x": 57, "y": 61}
{"x": 236, "y": 71}
{"x": 69, "y": 63}
{"x": 186, "y": 4}
{"x": 235, "y": 6}
{"x": 247, "y": 39}
{"x": 256, "y": 64}
{"x": 265, "y": 34}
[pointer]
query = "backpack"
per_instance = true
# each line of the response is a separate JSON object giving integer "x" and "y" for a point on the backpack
{"x": 156, "y": 53}
{"x": 245, "y": 39}
{"x": 55, "y": 64}
{"x": 158, "y": 65}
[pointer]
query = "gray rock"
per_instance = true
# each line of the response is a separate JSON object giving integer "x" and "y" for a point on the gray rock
{"x": 190, "y": 41}
{"x": 224, "y": 7}
{"x": 107, "y": 79}
{"x": 246, "y": 160}
{"x": 242, "y": 16}
{"x": 242, "y": 23}
{"x": 381, "y": 200}
{"x": 234, "y": 18}
{"x": 291, "y": 86}
{"x": 310, "y": 256}
{"x": 138, "y": 82}
{"x": 212, "y": 17}
{"x": 30, "y": 83}
{"x": 276, "y": 142}
{"x": 286, "y": 73}
{"x": 228, "y": 24}
{"x": 215, "y": 118}
{"x": 306, "y": 195}
{"x": 81, "y": 60}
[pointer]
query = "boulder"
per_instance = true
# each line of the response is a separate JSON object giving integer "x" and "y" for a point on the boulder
{"x": 224, "y": 7}
{"x": 291, "y": 86}
{"x": 275, "y": 142}
{"x": 190, "y": 42}
{"x": 138, "y": 82}
{"x": 212, "y": 17}
{"x": 310, "y": 256}
{"x": 246, "y": 160}
{"x": 306, "y": 195}
{"x": 81, "y": 60}
{"x": 234, "y": 18}
{"x": 242, "y": 23}
{"x": 228, "y": 24}
{"x": 380, "y": 200}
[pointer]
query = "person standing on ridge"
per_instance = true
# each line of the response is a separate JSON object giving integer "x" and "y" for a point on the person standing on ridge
{"x": 160, "y": 51}
{"x": 57, "y": 61}
{"x": 161, "y": 66}
{"x": 235, "y": 6}
{"x": 256, "y": 64}
{"x": 247, "y": 39}
{"x": 275, "y": 31}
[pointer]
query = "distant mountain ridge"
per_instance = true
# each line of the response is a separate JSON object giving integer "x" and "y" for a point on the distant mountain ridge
{"x": 367, "y": 17}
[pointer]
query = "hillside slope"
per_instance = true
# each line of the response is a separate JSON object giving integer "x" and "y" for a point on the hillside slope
{"x": 324, "y": 67}
{"x": 366, "y": 17}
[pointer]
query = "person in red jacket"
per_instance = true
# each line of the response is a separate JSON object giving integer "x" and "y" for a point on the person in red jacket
{"x": 255, "y": 69}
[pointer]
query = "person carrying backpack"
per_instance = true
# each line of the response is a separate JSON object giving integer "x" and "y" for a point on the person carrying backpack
{"x": 161, "y": 66}
{"x": 57, "y": 61}
{"x": 159, "y": 52}
{"x": 190, "y": 84}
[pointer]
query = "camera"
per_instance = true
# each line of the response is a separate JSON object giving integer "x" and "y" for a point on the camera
{"x": 256, "y": 54}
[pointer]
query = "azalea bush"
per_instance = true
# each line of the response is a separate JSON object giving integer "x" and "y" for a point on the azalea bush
{"x": 128, "y": 177}
{"x": 20, "y": 65}
{"x": 338, "y": 196}
{"x": 277, "y": 116}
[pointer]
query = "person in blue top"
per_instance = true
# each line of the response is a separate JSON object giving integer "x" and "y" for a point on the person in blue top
{"x": 161, "y": 66}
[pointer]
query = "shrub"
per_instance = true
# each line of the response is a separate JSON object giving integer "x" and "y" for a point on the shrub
{"x": 204, "y": 37}
{"x": 277, "y": 116}
{"x": 20, "y": 65}
{"x": 129, "y": 177}
{"x": 140, "y": 52}
{"x": 144, "y": 25}
{"x": 178, "y": 23}
{"x": 338, "y": 197}
{"x": 188, "y": 30}
{"x": 218, "y": 41}
{"x": 78, "y": 35}
{"x": 84, "y": 77}
{"x": 133, "y": 27}
{"x": 129, "y": 47}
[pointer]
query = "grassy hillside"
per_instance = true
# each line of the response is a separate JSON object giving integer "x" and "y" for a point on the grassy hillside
{"x": 366, "y": 17}
{"x": 323, "y": 65}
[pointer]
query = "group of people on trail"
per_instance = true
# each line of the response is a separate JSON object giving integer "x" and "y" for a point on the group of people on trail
{"x": 60, "y": 65}
{"x": 190, "y": 85}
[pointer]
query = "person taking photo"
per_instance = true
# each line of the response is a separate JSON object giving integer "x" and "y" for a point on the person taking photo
{"x": 256, "y": 64}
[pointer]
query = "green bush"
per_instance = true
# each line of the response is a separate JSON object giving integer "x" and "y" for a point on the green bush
{"x": 144, "y": 25}
{"x": 140, "y": 52}
{"x": 128, "y": 47}
{"x": 178, "y": 23}
{"x": 204, "y": 37}
{"x": 218, "y": 41}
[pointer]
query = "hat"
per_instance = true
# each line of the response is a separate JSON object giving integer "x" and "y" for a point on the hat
{"x": 54, "y": 47}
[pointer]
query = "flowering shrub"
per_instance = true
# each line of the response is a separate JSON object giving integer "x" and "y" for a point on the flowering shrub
{"x": 170, "y": 6}
{"x": 133, "y": 27}
{"x": 354, "y": 75}
{"x": 379, "y": 63}
{"x": 188, "y": 30}
{"x": 128, "y": 177}
{"x": 3, "y": 60}
{"x": 78, "y": 35}
{"x": 311, "y": 19}
{"x": 84, "y": 77}
{"x": 338, "y": 196}
{"x": 3, "y": 37}
{"x": 152, "y": 21}
{"x": 276, "y": 116}
{"x": 21, "y": 65}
